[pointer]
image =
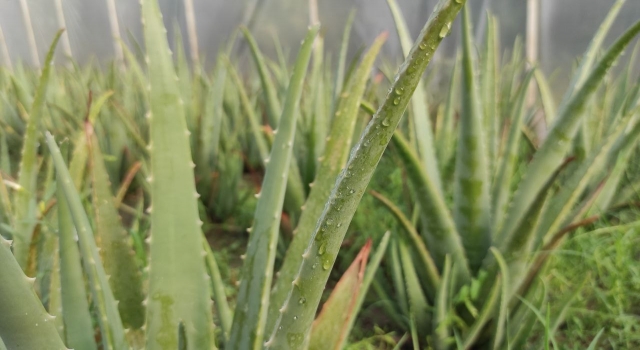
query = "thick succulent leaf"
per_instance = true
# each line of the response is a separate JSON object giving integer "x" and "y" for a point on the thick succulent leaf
{"x": 550, "y": 155}
{"x": 329, "y": 330}
{"x": 440, "y": 232}
{"x": 418, "y": 304}
{"x": 108, "y": 317}
{"x": 471, "y": 207}
{"x": 502, "y": 185}
{"x": 336, "y": 153}
{"x": 25, "y": 198}
{"x": 79, "y": 332}
{"x": 489, "y": 91}
{"x": 420, "y": 115}
{"x": 115, "y": 247}
{"x": 369, "y": 274}
{"x": 217, "y": 283}
{"x": 178, "y": 284}
{"x": 441, "y": 324}
{"x": 416, "y": 242}
{"x": 250, "y": 315}
{"x": 24, "y": 323}
{"x": 272, "y": 103}
{"x": 344, "y": 48}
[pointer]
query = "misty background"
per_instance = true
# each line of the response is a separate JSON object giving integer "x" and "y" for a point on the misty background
{"x": 566, "y": 26}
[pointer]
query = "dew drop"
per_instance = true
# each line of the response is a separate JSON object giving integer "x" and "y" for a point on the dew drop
{"x": 301, "y": 301}
{"x": 329, "y": 222}
{"x": 423, "y": 45}
{"x": 326, "y": 264}
{"x": 445, "y": 30}
{"x": 322, "y": 249}
{"x": 386, "y": 121}
{"x": 400, "y": 91}
{"x": 396, "y": 101}
{"x": 295, "y": 318}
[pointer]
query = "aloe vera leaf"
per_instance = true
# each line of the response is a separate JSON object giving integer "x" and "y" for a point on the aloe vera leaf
{"x": 24, "y": 323}
{"x": 258, "y": 135}
{"x": 79, "y": 333}
{"x": 551, "y": 153}
{"x": 414, "y": 237}
{"x": 546, "y": 96}
{"x": 55, "y": 297}
{"x": 5, "y": 160}
{"x": 440, "y": 232}
{"x": 5, "y": 200}
{"x": 25, "y": 198}
{"x": 421, "y": 118}
{"x": 78, "y": 165}
{"x": 441, "y": 328}
{"x": 178, "y": 284}
{"x": 116, "y": 250}
{"x": 504, "y": 298}
{"x": 108, "y": 317}
{"x": 369, "y": 275}
{"x": 336, "y": 153}
{"x": 502, "y": 185}
{"x": 447, "y": 138}
{"x": 485, "y": 315}
{"x": 471, "y": 202}
{"x": 560, "y": 207}
{"x": 213, "y": 114}
{"x": 589, "y": 58}
{"x": 272, "y": 103}
{"x": 418, "y": 304}
{"x": 489, "y": 75}
{"x": 342, "y": 58}
{"x": 250, "y": 315}
{"x": 222, "y": 306}
{"x": 618, "y": 161}
{"x": 329, "y": 329}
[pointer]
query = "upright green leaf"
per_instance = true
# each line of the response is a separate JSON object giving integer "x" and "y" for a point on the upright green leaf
{"x": 330, "y": 330}
{"x": 115, "y": 247}
{"x": 289, "y": 332}
{"x": 108, "y": 316}
{"x": 421, "y": 118}
{"x": 24, "y": 323}
{"x": 336, "y": 153}
{"x": 25, "y": 199}
{"x": 471, "y": 207}
{"x": 250, "y": 316}
{"x": 178, "y": 284}
{"x": 75, "y": 304}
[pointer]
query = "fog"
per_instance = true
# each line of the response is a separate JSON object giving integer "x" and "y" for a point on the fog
{"x": 565, "y": 29}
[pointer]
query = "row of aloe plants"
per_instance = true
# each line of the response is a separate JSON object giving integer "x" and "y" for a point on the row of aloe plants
{"x": 161, "y": 298}
{"x": 467, "y": 267}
